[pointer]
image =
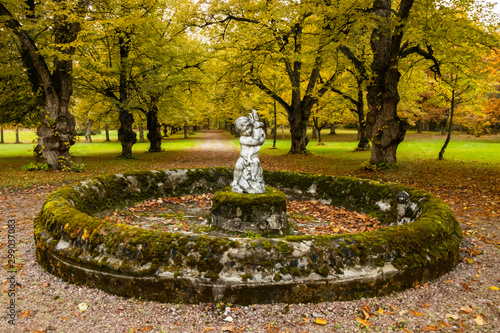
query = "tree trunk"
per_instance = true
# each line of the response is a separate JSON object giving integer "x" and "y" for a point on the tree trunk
{"x": 154, "y": 132}
{"x": 332, "y": 129}
{"x": 55, "y": 134}
{"x": 186, "y": 132}
{"x": 17, "y": 135}
{"x": 448, "y": 137}
{"x": 1, "y": 135}
{"x": 383, "y": 126}
{"x": 364, "y": 141}
{"x": 314, "y": 134}
{"x": 141, "y": 133}
{"x": 106, "y": 129}
{"x": 126, "y": 134}
{"x": 282, "y": 132}
{"x": 419, "y": 126}
{"x": 274, "y": 128}
{"x": 88, "y": 131}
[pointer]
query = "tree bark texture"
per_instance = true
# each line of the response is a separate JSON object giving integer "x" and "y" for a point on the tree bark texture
{"x": 383, "y": 126}
{"x": 332, "y": 129}
{"x": 154, "y": 132}
{"x": 141, "y": 133}
{"x": 88, "y": 131}
{"x": 106, "y": 129}
{"x": 55, "y": 134}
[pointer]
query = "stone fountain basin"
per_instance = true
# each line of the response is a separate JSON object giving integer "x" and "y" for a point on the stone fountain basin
{"x": 420, "y": 243}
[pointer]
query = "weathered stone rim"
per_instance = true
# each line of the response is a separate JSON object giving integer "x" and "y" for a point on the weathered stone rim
{"x": 81, "y": 248}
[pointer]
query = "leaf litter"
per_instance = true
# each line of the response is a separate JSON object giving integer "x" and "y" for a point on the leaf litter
{"x": 192, "y": 214}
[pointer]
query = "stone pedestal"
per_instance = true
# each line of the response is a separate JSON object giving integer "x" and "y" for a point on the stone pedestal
{"x": 249, "y": 212}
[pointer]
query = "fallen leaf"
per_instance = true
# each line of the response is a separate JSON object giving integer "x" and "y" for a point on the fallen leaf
{"x": 76, "y": 313}
{"x": 381, "y": 311}
{"x": 452, "y": 316}
{"x": 393, "y": 307}
{"x": 272, "y": 329}
{"x": 228, "y": 328}
{"x": 494, "y": 288}
{"x": 145, "y": 329}
{"x": 206, "y": 329}
{"x": 479, "y": 319}
{"x": 416, "y": 314}
{"x": 405, "y": 330}
{"x": 83, "y": 307}
{"x": 441, "y": 322}
{"x": 362, "y": 321}
{"x": 466, "y": 286}
{"x": 25, "y": 314}
{"x": 465, "y": 310}
{"x": 321, "y": 321}
{"x": 432, "y": 328}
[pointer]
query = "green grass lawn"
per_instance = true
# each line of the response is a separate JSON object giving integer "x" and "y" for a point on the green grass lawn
{"x": 415, "y": 147}
{"x": 336, "y": 156}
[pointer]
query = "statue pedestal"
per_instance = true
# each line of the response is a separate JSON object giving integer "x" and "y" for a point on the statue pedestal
{"x": 244, "y": 212}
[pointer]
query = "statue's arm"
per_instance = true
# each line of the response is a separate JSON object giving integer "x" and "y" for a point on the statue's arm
{"x": 249, "y": 141}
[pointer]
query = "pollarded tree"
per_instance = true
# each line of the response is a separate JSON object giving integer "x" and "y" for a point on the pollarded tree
{"x": 290, "y": 40}
{"x": 47, "y": 33}
{"x": 403, "y": 29}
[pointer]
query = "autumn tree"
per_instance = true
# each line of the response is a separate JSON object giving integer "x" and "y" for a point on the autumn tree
{"x": 263, "y": 40}
{"x": 47, "y": 33}
{"x": 405, "y": 29}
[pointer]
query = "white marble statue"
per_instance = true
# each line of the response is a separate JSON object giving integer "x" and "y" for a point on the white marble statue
{"x": 248, "y": 172}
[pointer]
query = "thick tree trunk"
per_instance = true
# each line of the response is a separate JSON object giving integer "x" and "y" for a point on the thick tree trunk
{"x": 106, "y": 129}
{"x": 314, "y": 133}
{"x": 364, "y": 141}
{"x": 141, "y": 134}
{"x": 298, "y": 129}
{"x": 154, "y": 133}
{"x": 126, "y": 134}
{"x": 383, "y": 126}
{"x": 88, "y": 131}
{"x": 419, "y": 126}
{"x": 56, "y": 137}
{"x": 332, "y": 129}
{"x": 55, "y": 134}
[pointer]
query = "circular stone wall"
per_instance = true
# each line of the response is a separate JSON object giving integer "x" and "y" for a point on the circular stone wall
{"x": 421, "y": 242}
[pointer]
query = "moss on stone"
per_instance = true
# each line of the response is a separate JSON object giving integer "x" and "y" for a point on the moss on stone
{"x": 423, "y": 249}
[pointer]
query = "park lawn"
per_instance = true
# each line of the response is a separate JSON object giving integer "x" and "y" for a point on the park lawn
{"x": 416, "y": 146}
{"x": 99, "y": 158}
{"x": 337, "y": 156}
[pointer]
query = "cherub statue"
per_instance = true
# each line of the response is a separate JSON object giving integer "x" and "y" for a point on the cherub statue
{"x": 248, "y": 172}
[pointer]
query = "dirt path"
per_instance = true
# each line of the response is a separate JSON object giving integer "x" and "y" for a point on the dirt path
{"x": 214, "y": 149}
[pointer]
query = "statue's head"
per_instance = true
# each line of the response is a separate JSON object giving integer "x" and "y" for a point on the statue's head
{"x": 242, "y": 124}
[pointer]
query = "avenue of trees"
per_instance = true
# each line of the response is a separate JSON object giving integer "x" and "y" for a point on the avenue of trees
{"x": 382, "y": 64}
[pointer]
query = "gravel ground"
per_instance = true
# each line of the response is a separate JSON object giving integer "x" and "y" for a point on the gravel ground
{"x": 466, "y": 299}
